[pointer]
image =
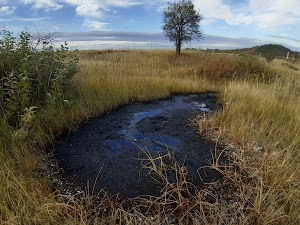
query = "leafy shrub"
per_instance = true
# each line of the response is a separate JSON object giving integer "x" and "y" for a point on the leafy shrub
{"x": 31, "y": 74}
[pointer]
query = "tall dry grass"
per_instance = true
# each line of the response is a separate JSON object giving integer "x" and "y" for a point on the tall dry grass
{"x": 105, "y": 82}
{"x": 259, "y": 123}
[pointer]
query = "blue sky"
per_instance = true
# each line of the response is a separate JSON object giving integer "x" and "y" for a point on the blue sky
{"x": 97, "y": 24}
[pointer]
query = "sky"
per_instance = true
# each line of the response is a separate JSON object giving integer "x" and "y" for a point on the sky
{"x": 122, "y": 24}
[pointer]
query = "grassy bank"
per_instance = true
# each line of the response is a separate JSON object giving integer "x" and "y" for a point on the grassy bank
{"x": 259, "y": 123}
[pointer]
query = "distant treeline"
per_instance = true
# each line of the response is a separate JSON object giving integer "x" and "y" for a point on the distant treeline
{"x": 268, "y": 51}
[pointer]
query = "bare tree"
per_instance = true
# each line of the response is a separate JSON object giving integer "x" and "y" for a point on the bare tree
{"x": 181, "y": 23}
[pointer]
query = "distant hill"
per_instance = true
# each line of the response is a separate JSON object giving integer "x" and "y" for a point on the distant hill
{"x": 268, "y": 51}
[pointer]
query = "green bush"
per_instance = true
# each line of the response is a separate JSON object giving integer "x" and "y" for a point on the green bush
{"x": 32, "y": 74}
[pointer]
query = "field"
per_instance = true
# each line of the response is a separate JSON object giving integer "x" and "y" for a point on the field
{"x": 259, "y": 128}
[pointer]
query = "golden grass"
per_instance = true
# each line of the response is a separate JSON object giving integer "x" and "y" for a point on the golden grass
{"x": 262, "y": 125}
{"x": 259, "y": 124}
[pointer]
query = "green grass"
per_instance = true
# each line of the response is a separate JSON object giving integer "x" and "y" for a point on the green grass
{"x": 259, "y": 123}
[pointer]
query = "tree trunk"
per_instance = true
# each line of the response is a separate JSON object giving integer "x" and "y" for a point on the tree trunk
{"x": 178, "y": 47}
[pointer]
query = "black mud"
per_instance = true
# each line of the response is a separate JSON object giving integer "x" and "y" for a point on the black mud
{"x": 108, "y": 146}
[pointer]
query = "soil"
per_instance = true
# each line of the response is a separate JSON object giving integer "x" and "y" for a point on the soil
{"x": 105, "y": 152}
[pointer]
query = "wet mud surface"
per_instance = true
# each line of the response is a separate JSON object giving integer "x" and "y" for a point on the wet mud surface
{"x": 104, "y": 152}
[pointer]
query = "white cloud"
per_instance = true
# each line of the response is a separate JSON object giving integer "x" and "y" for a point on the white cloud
{"x": 272, "y": 13}
{"x": 106, "y": 3}
{"x": 95, "y": 8}
{"x": 207, "y": 21}
{"x": 6, "y": 10}
{"x": 22, "y": 19}
{"x": 88, "y": 10}
{"x": 123, "y": 3}
{"x": 161, "y": 8}
{"x": 55, "y": 28}
{"x": 94, "y": 25}
{"x": 216, "y": 9}
{"x": 264, "y": 13}
{"x": 47, "y": 5}
{"x": 290, "y": 41}
{"x": 3, "y": 2}
{"x": 91, "y": 9}
{"x": 85, "y": 8}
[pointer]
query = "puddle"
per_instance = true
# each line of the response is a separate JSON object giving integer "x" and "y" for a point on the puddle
{"x": 133, "y": 139}
{"x": 137, "y": 117}
{"x": 202, "y": 107}
{"x": 111, "y": 145}
{"x": 161, "y": 143}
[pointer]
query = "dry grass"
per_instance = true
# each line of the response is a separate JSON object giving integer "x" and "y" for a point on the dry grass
{"x": 259, "y": 124}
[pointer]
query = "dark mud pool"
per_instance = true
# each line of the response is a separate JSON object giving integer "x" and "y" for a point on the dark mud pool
{"x": 104, "y": 152}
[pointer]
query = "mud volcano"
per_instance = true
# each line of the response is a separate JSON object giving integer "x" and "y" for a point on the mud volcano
{"x": 108, "y": 146}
